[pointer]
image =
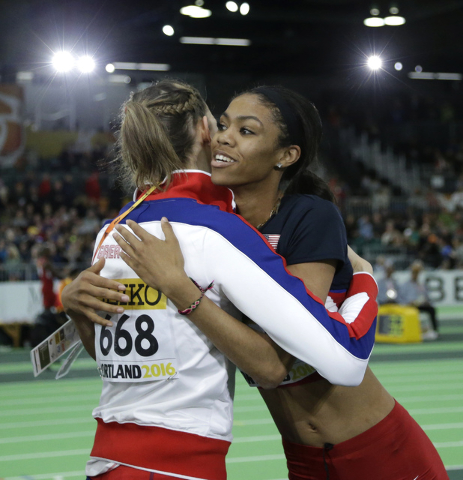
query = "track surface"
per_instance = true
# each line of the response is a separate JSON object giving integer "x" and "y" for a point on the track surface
{"x": 46, "y": 428}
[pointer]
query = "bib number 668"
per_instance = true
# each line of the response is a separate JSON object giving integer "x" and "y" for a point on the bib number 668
{"x": 142, "y": 349}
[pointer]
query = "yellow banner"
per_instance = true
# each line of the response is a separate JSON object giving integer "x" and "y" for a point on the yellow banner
{"x": 142, "y": 296}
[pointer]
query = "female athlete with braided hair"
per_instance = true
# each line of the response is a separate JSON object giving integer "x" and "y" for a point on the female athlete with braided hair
{"x": 334, "y": 432}
{"x": 166, "y": 405}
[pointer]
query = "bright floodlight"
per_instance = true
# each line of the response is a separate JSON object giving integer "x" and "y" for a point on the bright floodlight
{"x": 232, "y": 6}
{"x": 194, "y": 11}
{"x": 374, "y": 22}
{"x": 168, "y": 30}
{"x": 398, "y": 66}
{"x": 394, "y": 21}
{"x": 110, "y": 68}
{"x": 374, "y": 62}
{"x": 244, "y": 9}
{"x": 63, "y": 61}
{"x": 86, "y": 64}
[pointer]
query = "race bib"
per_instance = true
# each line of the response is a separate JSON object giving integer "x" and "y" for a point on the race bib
{"x": 139, "y": 347}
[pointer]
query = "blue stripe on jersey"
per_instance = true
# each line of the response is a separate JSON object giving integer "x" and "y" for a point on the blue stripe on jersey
{"x": 250, "y": 242}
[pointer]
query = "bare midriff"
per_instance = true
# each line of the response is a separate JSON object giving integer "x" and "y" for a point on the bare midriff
{"x": 318, "y": 413}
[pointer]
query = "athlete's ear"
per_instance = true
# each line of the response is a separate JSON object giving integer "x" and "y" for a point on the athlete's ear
{"x": 205, "y": 131}
{"x": 290, "y": 155}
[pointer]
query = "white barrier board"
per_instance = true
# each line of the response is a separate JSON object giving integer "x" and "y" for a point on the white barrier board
{"x": 22, "y": 301}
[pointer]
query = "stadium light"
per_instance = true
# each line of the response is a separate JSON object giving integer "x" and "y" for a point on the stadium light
{"x": 119, "y": 79}
{"x": 398, "y": 66}
{"x": 394, "y": 10}
{"x": 435, "y": 76}
{"x": 374, "y": 62}
{"x": 231, "y": 42}
{"x": 232, "y": 6}
{"x": 394, "y": 21}
{"x": 159, "y": 67}
{"x": 374, "y": 22}
{"x": 374, "y": 11}
{"x": 24, "y": 76}
{"x": 194, "y": 11}
{"x": 63, "y": 61}
{"x": 244, "y": 9}
{"x": 86, "y": 64}
{"x": 168, "y": 30}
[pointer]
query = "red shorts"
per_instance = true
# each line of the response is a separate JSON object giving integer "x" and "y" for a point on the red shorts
{"x": 127, "y": 473}
{"x": 394, "y": 449}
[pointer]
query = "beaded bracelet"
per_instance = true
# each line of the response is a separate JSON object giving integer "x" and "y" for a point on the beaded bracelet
{"x": 195, "y": 304}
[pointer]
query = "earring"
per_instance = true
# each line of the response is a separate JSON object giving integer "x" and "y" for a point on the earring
{"x": 278, "y": 166}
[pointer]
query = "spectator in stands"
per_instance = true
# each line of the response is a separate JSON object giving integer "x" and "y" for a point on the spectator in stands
{"x": 381, "y": 198}
{"x": 411, "y": 235}
{"x": 365, "y": 227}
{"x": 3, "y": 251}
{"x": 418, "y": 201}
{"x": 457, "y": 244}
{"x": 391, "y": 235}
{"x": 47, "y": 273}
{"x": 92, "y": 187}
{"x": 379, "y": 268}
{"x": 457, "y": 197}
{"x": 414, "y": 293}
{"x": 388, "y": 288}
{"x": 378, "y": 224}
{"x": 45, "y": 187}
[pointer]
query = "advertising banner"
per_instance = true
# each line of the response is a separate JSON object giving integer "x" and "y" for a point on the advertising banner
{"x": 12, "y": 139}
{"x": 22, "y": 301}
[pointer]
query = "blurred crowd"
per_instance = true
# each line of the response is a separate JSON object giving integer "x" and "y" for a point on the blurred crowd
{"x": 61, "y": 202}
{"x": 435, "y": 237}
{"x": 59, "y": 210}
{"x": 426, "y": 224}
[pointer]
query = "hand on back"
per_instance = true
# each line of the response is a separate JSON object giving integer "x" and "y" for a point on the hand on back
{"x": 157, "y": 262}
{"x": 83, "y": 297}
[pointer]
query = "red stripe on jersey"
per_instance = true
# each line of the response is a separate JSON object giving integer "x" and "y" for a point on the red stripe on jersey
{"x": 338, "y": 297}
{"x": 361, "y": 282}
{"x": 161, "y": 449}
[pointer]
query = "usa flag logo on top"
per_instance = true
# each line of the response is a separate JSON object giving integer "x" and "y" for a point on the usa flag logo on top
{"x": 273, "y": 240}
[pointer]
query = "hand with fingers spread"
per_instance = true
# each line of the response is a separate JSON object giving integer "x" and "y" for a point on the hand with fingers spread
{"x": 82, "y": 298}
{"x": 157, "y": 262}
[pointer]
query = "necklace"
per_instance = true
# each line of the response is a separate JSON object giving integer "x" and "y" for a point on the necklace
{"x": 273, "y": 212}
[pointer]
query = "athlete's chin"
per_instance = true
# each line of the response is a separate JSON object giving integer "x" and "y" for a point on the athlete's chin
{"x": 218, "y": 177}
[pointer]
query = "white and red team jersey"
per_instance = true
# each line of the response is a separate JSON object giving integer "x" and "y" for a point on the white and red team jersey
{"x": 167, "y": 399}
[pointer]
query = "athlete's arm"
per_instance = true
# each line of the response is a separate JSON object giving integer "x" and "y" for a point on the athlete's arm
{"x": 359, "y": 264}
{"x": 164, "y": 271}
{"x": 252, "y": 352}
{"x": 81, "y": 300}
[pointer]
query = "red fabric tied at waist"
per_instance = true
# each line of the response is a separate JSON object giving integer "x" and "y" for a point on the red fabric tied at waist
{"x": 161, "y": 449}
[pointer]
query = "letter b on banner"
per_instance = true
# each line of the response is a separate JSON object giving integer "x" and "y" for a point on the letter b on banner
{"x": 458, "y": 289}
{"x": 435, "y": 287}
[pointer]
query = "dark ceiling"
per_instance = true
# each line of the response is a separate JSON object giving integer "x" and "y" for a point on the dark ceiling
{"x": 288, "y": 36}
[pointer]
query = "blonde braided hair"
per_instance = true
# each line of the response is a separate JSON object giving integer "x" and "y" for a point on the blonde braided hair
{"x": 158, "y": 131}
